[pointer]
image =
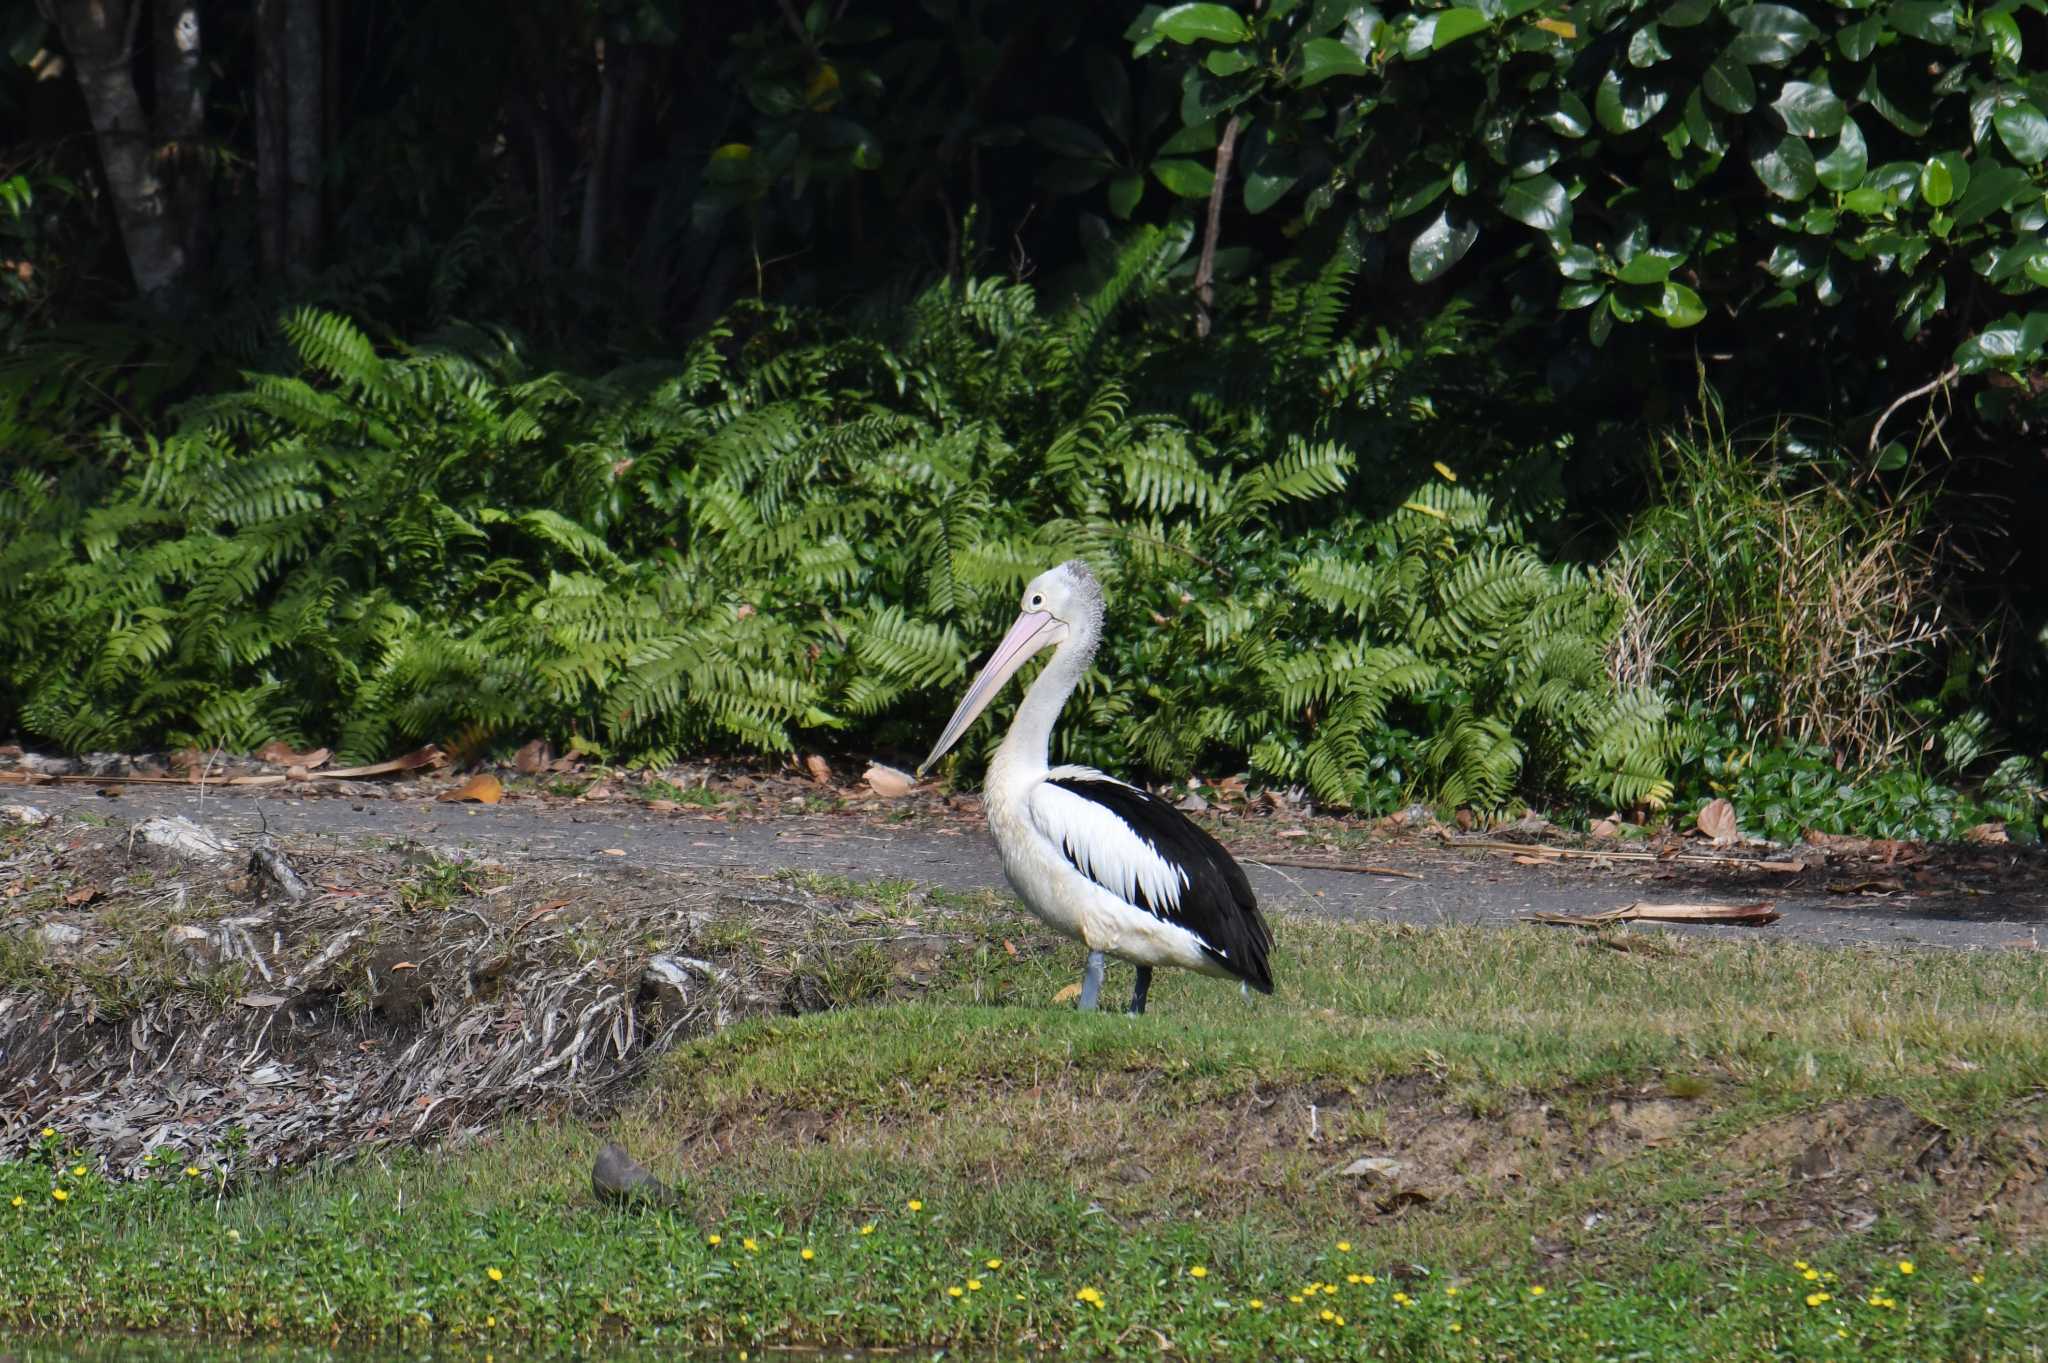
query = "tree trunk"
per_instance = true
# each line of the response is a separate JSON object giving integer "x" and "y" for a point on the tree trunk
{"x": 100, "y": 37}
{"x": 303, "y": 132}
{"x": 596, "y": 192}
{"x": 270, "y": 136}
{"x": 181, "y": 119}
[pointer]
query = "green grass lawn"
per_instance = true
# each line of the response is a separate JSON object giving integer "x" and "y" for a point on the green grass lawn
{"x": 1653, "y": 1147}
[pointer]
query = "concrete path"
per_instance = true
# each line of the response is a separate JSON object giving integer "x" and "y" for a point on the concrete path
{"x": 1452, "y": 885}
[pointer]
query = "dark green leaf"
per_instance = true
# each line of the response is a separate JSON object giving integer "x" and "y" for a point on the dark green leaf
{"x": 1228, "y": 61}
{"x": 2013, "y": 342}
{"x": 1898, "y": 179}
{"x": 1188, "y": 179}
{"x": 1649, "y": 267}
{"x": 2023, "y": 129}
{"x": 1944, "y": 177}
{"x": 1809, "y": 110}
{"x": 1792, "y": 263}
{"x": 1931, "y": 21}
{"x": 1570, "y": 118}
{"x": 1727, "y": 83}
{"x": 1419, "y": 199}
{"x": 1441, "y": 245}
{"x": 1073, "y": 177}
{"x": 1627, "y": 101}
{"x": 1843, "y": 168}
{"x": 1706, "y": 133}
{"x": 1110, "y": 86}
{"x": 1686, "y": 13}
{"x": 1991, "y": 186}
{"x": 2004, "y": 32}
{"x": 1893, "y": 457}
{"x": 1202, "y": 24}
{"x": 1867, "y": 201}
{"x": 1645, "y": 48}
{"x": 1573, "y": 296}
{"x": 1786, "y": 167}
{"x": 1577, "y": 262}
{"x": 1265, "y": 187}
{"x": 1780, "y": 20}
{"x": 1453, "y": 24}
{"x": 1539, "y": 201}
{"x": 1763, "y": 49}
{"x": 1322, "y": 58}
{"x": 1532, "y": 152}
{"x": 1201, "y": 136}
{"x": 1859, "y": 39}
{"x": 1891, "y": 110}
{"x": 1064, "y": 137}
{"x": 1680, "y": 306}
{"x": 1124, "y": 193}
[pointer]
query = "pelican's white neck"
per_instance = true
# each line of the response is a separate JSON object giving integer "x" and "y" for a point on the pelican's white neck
{"x": 1027, "y": 748}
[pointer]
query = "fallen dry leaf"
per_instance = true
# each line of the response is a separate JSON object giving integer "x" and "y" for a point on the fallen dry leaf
{"x": 261, "y": 1000}
{"x": 1067, "y": 995}
{"x": 819, "y": 768}
{"x": 615, "y": 851}
{"x": 888, "y": 782}
{"x": 1606, "y": 828}
{"x": 1717, "y": 820}
{"x": 663, "y": 806}
{"x": 533, "y": 757}
{"x": 83, "y": 896}
{"x": 599, "y": 791}
{"x": 429, "y": 756}
{"x": 1643, "y": 911}
{"x": 1867, "y": 887}
{"x": 280, "y": 753}
{"x": 1986, "y": 832}
{"x": 1009, "y": 946}
{"x": 483, "y": 788}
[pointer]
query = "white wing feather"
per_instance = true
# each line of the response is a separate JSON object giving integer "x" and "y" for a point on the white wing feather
{"x": 1103, "y": 846}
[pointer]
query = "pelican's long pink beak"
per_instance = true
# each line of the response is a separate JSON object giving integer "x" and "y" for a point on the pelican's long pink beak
{"x": 1032, "y": 632}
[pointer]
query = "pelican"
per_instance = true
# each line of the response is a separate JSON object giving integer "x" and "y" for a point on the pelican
{"x": 1113, "y": 866}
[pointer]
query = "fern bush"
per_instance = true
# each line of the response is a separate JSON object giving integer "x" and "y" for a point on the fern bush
{"x": 798, "y": 527}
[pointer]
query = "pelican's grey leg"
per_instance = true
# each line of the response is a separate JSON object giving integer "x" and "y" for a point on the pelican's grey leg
{"x": 1138, "y": 994}
{"x": 1091, "y": 982}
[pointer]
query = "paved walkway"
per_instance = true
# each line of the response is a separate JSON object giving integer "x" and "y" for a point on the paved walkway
{"x": 1453, "y": 886}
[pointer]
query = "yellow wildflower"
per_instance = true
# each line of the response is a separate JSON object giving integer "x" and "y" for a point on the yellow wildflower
{"x": 1338, "y": 1321}
{"x": 191, "y": 1171}
{"x": 868, "y": 1229}
{"x": 495, "y": 1274}
{"x": 809, "y": 1254}
{"x": 78, "y": 1171}
{"x": 1456, "y": 1328}
{"x": 1295, "y": 1300}
{"x": 1343, "y": 1246}
{"x": 1400, "y": 1299}
{"x": 1367, "y": 1279}
{"x": 1799, "y": 1264}
{"x": 1328, "y": 1314}
{"x": 1906, "y": 1266}
{"x": 1353, "y": 1279}
{"x": 59, "y": 1194}
{"x": 1256, "y": 1304}
{"x": 1198, "y": 1271}
{"x": 954, "y": 1291}
{"x": 48, "y": 1132}
{"x": 974, "y": 1284}
{"x": 1450, "y": 1291}
{"x": 714, "y": 1240}
{"x": 995, "y": 1263}
{"x": 1536, "y": 1291}
{"x": 747, "y": 1244}
{"x": 18, "y": 1199}
{"x": 1810, "y": 1275}
{"x": 1976, "y": 1277}
{"x": 914, "y": 1205}
{"x": 491, "y": 1322}
{"x": 1816, "y": 1298}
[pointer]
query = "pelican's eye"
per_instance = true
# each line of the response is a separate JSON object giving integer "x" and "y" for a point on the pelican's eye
{"x": 1037, "y": 600}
